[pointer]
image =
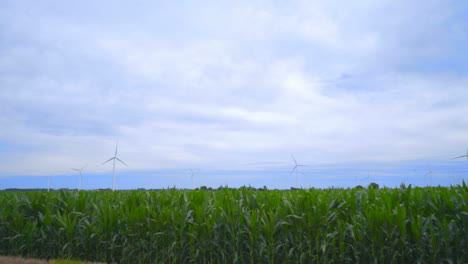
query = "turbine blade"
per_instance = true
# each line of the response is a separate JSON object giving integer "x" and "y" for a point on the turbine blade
{"x": 84, "y": 166}
{"x": 74, "y": 169}
{"x": 293, "y": 159}
{"x": 108, "y": 160}
{"x": 460, "y": 157}
{"x": 295, "y": 167}
{"x": 121, "y": 161}
{"x": 116, "y": 146}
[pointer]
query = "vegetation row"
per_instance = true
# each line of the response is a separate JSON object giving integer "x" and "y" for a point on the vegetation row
{"x": 404, "y": 225}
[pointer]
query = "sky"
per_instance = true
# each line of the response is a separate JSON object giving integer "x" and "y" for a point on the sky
{"x": 359, "y": 91}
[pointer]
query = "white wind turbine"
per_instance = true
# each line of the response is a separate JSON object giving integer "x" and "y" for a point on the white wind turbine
{"x": 463, "y": 156}
{"x": 296, "y": 166}
{"x": 366, "y": 180}
{"x": 113, "y": 168}
{"x": 429, "y": 172}
{"x": 48, "y": 183}
{"x": 192, "y": 172}
{"x": 81, "y": 176}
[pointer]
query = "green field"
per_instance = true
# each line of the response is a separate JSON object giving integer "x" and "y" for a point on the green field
{"x": 405, "y": 225}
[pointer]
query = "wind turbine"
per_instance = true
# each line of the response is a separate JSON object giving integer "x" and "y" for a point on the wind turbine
{"x": 296, "y": 166}
{"x": 369, "y": 178}
{"x": 81, "y": 177}
{"x": 113, "y": 168}
{"x": 193, "y": 172}
{"x": 462, "y": 156}
{"x": 48, "y": 183}
{"x": 366, "y": 180}
{"x": 429, "y": 172}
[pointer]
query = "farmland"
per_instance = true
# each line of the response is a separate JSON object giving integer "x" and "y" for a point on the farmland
{"x": 402, "y": 225}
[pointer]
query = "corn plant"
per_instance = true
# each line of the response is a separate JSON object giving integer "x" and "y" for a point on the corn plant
{"x": 405, "y": 225}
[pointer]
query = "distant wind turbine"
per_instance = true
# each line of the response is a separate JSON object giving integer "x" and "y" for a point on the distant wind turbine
{"x": 429, "y": 172}
{"x": 463, "y": 156}
{"x": 81, "y": 176}
{"x": 296, "y": 166}
{"x": 113, "y": 168}
{"x": 193, "y": 172}
{"x": 367, "y": 179}
{"x": 48, "y": 183}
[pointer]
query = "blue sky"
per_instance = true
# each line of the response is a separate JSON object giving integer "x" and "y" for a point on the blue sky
{"x": 359, "y": 91}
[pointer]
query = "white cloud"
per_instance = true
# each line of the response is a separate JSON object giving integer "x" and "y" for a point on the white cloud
{"x": 329, "y": 81}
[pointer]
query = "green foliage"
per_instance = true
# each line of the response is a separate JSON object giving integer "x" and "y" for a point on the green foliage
{"x": 404, "y": 225}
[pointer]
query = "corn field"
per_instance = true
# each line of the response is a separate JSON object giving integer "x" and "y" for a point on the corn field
{"x": 405, "y": 225}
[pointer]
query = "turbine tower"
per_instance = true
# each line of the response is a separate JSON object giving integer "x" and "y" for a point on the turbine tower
{"x": 463, "y": 156}
{"x": 81, "y": 176}
{"x": 193, "y": 172}
{"x": 113, "y": 168}
{"x": 296, "y": 166}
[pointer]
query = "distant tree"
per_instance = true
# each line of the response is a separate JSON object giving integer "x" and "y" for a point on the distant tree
{"x": 359, "y": 187}
{"x": 373, "y": 185}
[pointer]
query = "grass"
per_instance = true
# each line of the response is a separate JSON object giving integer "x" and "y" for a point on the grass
{"x": 405, "y": 225}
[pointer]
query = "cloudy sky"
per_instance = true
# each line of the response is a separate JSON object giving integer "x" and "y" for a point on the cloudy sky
{"x": 359, "y": 91}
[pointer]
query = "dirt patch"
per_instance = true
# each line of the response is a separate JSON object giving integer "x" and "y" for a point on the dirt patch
{"x": 14, "y": 260}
